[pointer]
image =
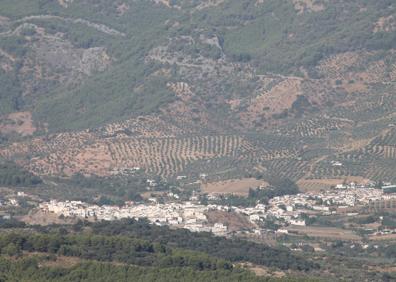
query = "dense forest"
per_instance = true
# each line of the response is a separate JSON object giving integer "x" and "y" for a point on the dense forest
{"x": 229, "y": 249}
{"x": 131, "y": 250}
{"x": 106, "y": 248}
{"x": 140, "y": 243}
{"x": 13, "y": 175}
{"x": 32, "y": 270}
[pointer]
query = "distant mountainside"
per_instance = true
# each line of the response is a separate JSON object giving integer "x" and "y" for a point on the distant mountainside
{"x": 298, "y": 88}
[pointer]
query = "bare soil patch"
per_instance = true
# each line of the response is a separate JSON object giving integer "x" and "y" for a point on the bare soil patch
{"x": 233, "y": 220}
{"x": 19, "y": 122}
{"x": 274, "y": 101}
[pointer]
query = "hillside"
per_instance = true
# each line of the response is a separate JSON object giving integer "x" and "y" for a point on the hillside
{"x": 226, "y": 88}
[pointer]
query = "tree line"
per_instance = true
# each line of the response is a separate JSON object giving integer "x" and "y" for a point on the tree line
{"x": 12, "y": 175}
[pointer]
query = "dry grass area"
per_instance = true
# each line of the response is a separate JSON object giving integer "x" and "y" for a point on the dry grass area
{"x": 316, "y": 127}
{"x": 336, "y": 66}
{"x": 346, "y": 69}
{"x": 233, "y": 220}
{"x": 324, "y": 232}
{"x": 209, "y": 3}
{"x": 353, "y": 145}
{"x": 263, "y": 271}
{"x": 356, "y": 87}
{"x": 181, "y": 89}
{"x": 122, "y": 8}
{"x": 383, "y": 268}
{"x": 20, "y": 123}
{"x": 142, "y": 126}
{"x": 149, "y": 194}
{"x": 40, "y": 218}
{"x": 238, "y": 187}
{"x": 167, "y": 3}
{"x": 61, "y": 261}
{"x": 387, "y": 237}
{"x": 65, "y": 3}
{"x": 6, "y": 59}
{"x": 339, "y": 69}
{"x": 385, "y": 24}
{"x": 302, "y": 6}
{"x": 314, "y": 185}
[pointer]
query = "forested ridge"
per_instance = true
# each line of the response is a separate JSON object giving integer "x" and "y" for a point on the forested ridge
{"x": 132, "y": 250}
{"x": 230, "y": 249}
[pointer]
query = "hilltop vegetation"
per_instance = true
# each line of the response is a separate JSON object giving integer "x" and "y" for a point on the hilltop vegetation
{"x": 270, "y": 36}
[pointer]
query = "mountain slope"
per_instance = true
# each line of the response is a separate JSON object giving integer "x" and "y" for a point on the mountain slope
{"x": 186, "y": 87}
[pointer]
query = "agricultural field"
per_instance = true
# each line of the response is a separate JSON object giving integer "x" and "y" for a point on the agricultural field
{"x": 70, "y": 154}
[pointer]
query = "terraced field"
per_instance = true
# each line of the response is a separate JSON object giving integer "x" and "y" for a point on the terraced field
{"x": 69, "y": 154}
{"x": 376, "y": 160}
{"x": 169, "y": 156}
{"x": 316, "y": 127}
